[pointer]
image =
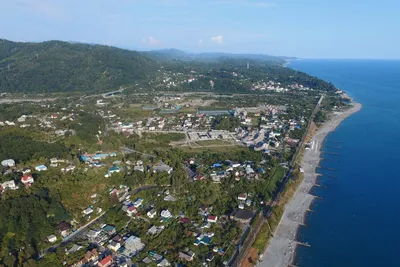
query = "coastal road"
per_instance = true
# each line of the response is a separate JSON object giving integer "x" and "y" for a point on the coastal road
{"x": 275, "y": 198}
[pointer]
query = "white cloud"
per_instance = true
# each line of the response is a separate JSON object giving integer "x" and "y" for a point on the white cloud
{"x": 217, "y": 39}
{"x": 151, "y": 41}
{"x": 201, "y": 42}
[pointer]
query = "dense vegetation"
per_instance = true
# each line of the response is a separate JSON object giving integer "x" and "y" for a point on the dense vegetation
{"x": 225, "y": 123}
{"x": 22, "y": 148}
{"x": 56, "y": 66}
{"x": 25, "y": 221}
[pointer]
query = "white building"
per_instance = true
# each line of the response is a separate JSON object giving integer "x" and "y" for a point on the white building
{"x": 8, "y": 163}
{"x": 166, "y": 214}
{"x": 133, "y": 245}
{"x": 152, "y": 213}
{"x": 114, "y": 246}
{"x": 52, "y": 238}
{"x": 9, "y": 185}
{"x": 87, "y": 211}
{"x": 41, "y": 168}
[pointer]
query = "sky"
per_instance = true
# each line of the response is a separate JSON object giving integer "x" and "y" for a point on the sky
{"x": 301, "y": 28}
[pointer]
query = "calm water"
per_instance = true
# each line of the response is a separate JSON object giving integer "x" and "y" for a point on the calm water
{"x": 357, "y": 223}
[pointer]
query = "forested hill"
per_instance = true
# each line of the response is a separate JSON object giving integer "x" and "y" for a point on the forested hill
{"x": 57, "y": 66}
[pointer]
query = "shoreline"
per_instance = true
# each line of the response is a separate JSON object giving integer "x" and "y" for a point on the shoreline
{"x": 282, "y": 247}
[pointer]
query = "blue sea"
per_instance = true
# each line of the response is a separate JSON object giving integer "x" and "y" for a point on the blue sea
{"x": 357, "y": 221}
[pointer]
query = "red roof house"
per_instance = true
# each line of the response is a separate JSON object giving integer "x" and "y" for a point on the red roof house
{"x": 212, "y": 218}
{"x": 27, "y": 179}
{"x": 107, "y": 261}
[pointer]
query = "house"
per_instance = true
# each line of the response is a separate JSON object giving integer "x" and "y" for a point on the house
{"x": 236, "y": 165}
{"x": 147, "y": 261}
{"x": 242, "y": 196}
{"x": 212, "y": 218}
{"x": 117, "y": 238}
{"x": 56, "y": 160}
{"x": 199, "y": 177}
{"x": 87, "y": 211}
{"x": 133, "y": 245}
{"x": 64, "y": 228}
{"x": 163, "y": 263}
{"x": 241, "y": 215}
{"x": 90, "y": 256}
{"x": 217, "y": 165}
{"x": 109, "y": 229}
{"x": 203, "y": 211}
{"x": 202, "y": 239}
{"x": 187, "y": 256}
{"x": 249, "y": 169}
{"x": 74, "y": 249}
{"x": 41, "y": 168}
{"x": 152, "y": 213}
{"x": 92, "y": 234}
{"x": 162, "y": 168}
{"x": 27, "y": 179}
{"x": 114, "y": 246}
{"x": 69, "y": 168}
{"x": 107, "y": 261}
{"x": 9, "y": 185}
{"x": 155, "y": 256}
{"x": 210, "y": 256}
{"x": 131, "y": 211}
{"x": 26, "y": 171}
{"x": 155, "y": 230}
{"x": 52, "y": 238}
{"x": 169, "y": 198}
{"x": 8, "y": 163}
{"x": 166, "y": 214}
{"x": 139, "y": 168}
{"x": 113, "y": 169}
{"x": 138, "y": 202}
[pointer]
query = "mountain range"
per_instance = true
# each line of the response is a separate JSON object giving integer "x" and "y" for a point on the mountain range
{"x": 57, "y": 66}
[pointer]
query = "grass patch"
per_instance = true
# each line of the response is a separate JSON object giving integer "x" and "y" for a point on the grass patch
{"x": 133, "y": 113}
{"x": 213, "y": 143}
{"x": 187, "y": 110}
{"x": 220, "y": 149}
{"x": 164, "y": 137}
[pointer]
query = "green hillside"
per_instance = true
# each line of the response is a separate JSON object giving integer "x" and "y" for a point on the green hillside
{"x": 57, "y": 66}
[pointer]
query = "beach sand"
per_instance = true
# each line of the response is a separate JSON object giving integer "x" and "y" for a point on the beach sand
{"x": 282, "y": 246}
